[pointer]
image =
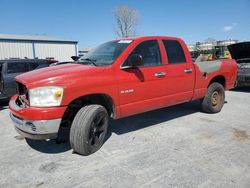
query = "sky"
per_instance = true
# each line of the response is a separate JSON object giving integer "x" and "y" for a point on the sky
{"x": 92, "y": 22}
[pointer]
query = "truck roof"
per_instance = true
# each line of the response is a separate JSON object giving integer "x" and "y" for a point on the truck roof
{"x": 148, "y": 37}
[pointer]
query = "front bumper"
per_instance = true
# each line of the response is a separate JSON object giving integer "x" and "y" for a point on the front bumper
{"x": 39, "y": 130}
{"x": 36, "y": 123}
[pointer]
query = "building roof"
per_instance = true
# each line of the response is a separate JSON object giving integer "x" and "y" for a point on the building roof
{"x": 84, "y": 49}
{"x": 42, "y": 38}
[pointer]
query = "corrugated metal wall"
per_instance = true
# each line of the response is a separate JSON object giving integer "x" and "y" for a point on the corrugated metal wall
{"x": 15, "y": 50}
{"x": 61, "y": 52}
{"x": 41, "y": 50}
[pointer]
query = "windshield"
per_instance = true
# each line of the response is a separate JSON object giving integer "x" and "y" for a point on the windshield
{"x": 105, "y": 54}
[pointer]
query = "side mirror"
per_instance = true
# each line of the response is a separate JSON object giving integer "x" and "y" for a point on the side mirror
{"x": 75, "y": 58}
{"x": 133, "y": 61}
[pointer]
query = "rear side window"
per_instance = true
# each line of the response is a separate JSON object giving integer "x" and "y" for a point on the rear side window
{"x": 174, "y": 52}
{"x": 17, "y": 67}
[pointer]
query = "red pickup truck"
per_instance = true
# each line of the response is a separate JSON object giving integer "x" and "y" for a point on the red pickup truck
{"x": 117, "y": 79}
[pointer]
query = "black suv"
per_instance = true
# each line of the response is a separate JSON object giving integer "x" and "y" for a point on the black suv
{"x": 10, "y": 68}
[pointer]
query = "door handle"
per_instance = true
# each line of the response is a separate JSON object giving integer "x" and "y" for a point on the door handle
{"x": 188, "y": 70}
{"x": 160, "y": 74}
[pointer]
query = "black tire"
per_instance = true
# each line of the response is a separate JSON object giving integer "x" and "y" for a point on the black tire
{"x": 214, "y": 99}
{"x": 89, "y": 129}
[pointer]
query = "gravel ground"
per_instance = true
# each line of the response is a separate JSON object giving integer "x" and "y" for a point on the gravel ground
{"x": 172, "y": 147}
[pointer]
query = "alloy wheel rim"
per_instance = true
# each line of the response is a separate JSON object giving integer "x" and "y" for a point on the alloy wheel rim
{"x": 216, "y": 98}
{"x": 96, "y": 130}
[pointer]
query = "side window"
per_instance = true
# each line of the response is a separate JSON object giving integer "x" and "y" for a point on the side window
{"x": 33, "y": 66}
{"x": 149, "y": 50}
{"x": 174, "y": 52}
{"x": 17, "y": 67}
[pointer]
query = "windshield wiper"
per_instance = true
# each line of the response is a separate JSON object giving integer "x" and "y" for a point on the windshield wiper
{"x": 89, "y": 60}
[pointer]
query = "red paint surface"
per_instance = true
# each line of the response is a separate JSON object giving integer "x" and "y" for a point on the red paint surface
{"x": 149, "y": 92}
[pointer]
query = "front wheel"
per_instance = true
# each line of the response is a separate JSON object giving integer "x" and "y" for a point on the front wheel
{"x": 214, "y": 99}
{"x": 89, "y": 129}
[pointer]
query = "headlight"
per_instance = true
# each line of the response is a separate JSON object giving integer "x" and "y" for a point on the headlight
{"x": 46, "y": 96}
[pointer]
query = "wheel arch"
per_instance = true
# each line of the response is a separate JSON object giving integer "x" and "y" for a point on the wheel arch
{"x": 219, "y": 79}
{"x": 76, "y": 104}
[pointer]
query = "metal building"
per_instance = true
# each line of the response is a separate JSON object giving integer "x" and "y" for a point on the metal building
{"x": 42, "y": 47}
{"x": 191, "y": 47}
{"x": 206, "y": 45}
{"x": 226, "y": 42}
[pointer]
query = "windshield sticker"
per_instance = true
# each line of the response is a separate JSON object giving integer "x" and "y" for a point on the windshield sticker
{"x": 125, "y": 41}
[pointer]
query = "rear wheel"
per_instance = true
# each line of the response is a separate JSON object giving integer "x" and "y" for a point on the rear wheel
{"x": 214, "y": 99}
{"x": 88, "y": 129}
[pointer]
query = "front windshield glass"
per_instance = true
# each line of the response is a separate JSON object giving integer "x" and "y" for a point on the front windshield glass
{"x": 105, "y": 54}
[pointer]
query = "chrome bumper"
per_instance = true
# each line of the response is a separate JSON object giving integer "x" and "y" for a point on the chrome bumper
{"x": 36, "y": 129}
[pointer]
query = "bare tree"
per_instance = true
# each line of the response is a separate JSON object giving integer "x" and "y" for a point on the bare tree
{"x": 126, "y": 21}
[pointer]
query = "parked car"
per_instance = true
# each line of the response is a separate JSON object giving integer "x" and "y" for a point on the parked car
{"x": 117, "y": 79}
{"x": 241, "y": 53}
{"x": 10, "y": 68}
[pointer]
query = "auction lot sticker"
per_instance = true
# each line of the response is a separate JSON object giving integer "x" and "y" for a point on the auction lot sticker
{"x": 125, "y": 41}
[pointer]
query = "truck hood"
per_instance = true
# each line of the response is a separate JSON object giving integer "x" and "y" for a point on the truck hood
{"x": 57, "y": 75}
{"x": 240, "y": 51}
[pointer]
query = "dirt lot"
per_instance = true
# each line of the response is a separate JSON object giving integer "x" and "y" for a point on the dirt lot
{"x": 172, "y": 147}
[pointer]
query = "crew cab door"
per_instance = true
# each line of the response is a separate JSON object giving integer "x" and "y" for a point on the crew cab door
{"x": 140, "y": 88}
{"x": 10, "y": 71}
{"x": 180, "y": 72}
